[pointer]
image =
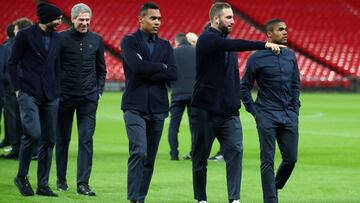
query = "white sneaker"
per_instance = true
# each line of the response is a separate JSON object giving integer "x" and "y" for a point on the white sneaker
{"x": 235, "y": 201}
{"x": 203, "y": 201}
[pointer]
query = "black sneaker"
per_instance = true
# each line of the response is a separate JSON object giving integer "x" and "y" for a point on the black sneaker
{"x": 61, "y": 185}
{"x": 84, "y": 189}
{"x": 45, "y": 191}
{"x": 10, "y": 155}
{"x": 23, "y": 184}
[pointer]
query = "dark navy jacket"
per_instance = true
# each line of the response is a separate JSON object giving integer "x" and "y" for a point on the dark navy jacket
{"x": 38, "y": 73}
{"x": 3, "y": 62}
{"x": 182, "y": 88}
{"x": 217, "y": 86}
{"x": 278, "y": 79}
{"x": 83, "y": 68}
{"x": 146, "y": 78}
{"x": 8, "y": 46}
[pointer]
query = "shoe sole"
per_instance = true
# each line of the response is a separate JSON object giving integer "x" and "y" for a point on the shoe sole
{"x": 86, "y": 194}
{"x": 46, "y": 195}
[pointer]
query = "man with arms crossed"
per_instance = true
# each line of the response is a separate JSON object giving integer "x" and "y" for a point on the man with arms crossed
{"x": 149, "y": 66}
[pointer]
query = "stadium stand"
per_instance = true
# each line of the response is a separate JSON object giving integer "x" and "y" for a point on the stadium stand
{"x": 326, "y": 53}
{"x": 12, "y": 10}
{"x": 312, "y": 73}
{"x": 324, "y": 30}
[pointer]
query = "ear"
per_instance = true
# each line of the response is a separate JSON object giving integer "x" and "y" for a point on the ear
{"x": 269, "y": 34}
{"x": 140, "y": 19}
{"x": 217, "y": 20}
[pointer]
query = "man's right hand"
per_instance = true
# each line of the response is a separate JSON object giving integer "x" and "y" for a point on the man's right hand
{"x": 17, "y": 93}
{"x": 274, "y": 47}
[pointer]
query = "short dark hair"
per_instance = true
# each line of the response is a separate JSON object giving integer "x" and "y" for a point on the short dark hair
{"x": 180, "y": 38}
{"x": 216, "y": 9}
{"x": 146, "y": 6}
{"x": 269, "y": 25}
{"x": 23, "y": 23}
{"x": 10, "y": 30}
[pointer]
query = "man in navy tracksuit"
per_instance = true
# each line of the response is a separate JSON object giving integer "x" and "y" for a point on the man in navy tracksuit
{"x": 276, "y": 109}
{"x": 34, "y": 67}
{"x": 149, "y": 66}
{"x": 216, "y": 100}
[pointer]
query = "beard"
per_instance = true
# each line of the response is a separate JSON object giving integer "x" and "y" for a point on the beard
{"x": 51, "y": 27}
{"x": 223, "y": 28}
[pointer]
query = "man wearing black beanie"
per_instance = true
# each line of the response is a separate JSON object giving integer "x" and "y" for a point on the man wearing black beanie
{"x": 34, "y": 67}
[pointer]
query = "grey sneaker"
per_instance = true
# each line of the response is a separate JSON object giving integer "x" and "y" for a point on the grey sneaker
{"x": 218, "y": 157}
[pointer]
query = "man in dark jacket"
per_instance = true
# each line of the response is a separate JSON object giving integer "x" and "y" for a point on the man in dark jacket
{"x": 10, "y": 38}
{"x": 216, "y": 100}
{"x": 83, "y": 74}
{"x": 276, "y": 109}
{"x": 13, "y": 128}
{"x": 3, "y": 62}
{"x": 181, "y": 90}
{"x": 36, "y": 84}
{"x": 149, "y": 66}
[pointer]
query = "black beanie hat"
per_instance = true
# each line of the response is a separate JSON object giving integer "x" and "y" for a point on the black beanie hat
{"x": 47, "y": 12}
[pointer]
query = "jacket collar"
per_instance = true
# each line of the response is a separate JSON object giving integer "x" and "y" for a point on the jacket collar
{"x": 140, "y": 39}
{"x": 78, "y": 34}
{"x": 38, "y": 41}
{"x": 224, "y": 35}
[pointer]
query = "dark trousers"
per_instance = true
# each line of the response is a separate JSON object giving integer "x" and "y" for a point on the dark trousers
{"x": 38, "y": 119}
{"x": 227, "y": 129}
{"x": 86, "y": 119}
{"x": 13, "y": 128}
{"x": 285, "y": 132}
{"x": 5, "y": 139}
{"x": 176, "y": 110}
{"x": 144, "y": 137}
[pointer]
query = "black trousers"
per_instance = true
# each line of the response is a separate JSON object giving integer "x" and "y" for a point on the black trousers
{"x": 13, "y": 128}
{"x": 144, "y": 137}
{"x": 177, "y": 109}
{"x": 38, "y": 119}
{"x": 285, "y": 132}
{"x": 227, "y": 129}
{"x": 86, "y": 119}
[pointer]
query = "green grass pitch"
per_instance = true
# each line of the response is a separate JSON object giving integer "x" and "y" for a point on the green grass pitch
{"x": 328, "y": 168}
